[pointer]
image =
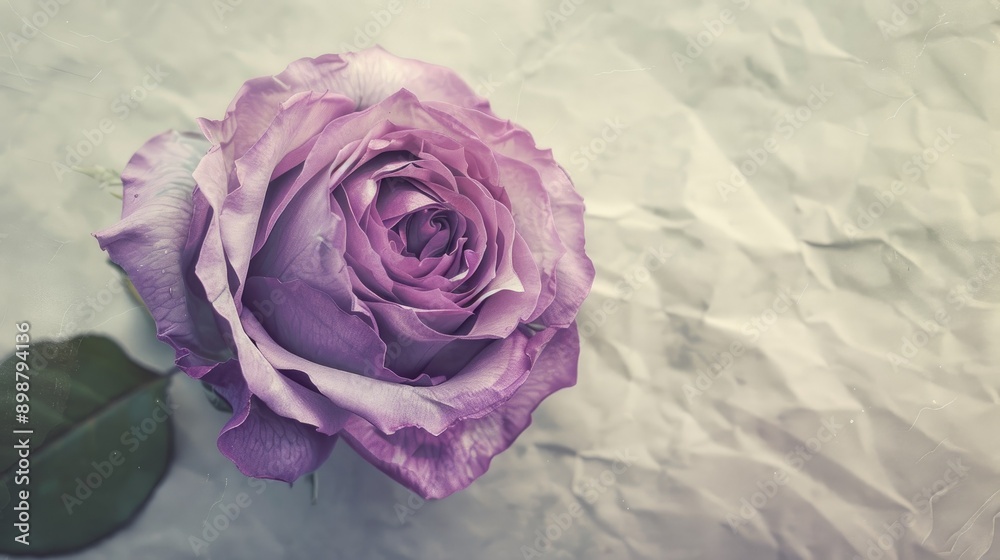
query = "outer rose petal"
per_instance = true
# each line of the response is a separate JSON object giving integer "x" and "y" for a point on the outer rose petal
{"x": 366, "y": 77}
{"x": 259, "y": 442}
{"x": 575, "y": 271}
{"x": 237, "y": 215}
{"x": 265, "y": 445}
{"x": 284, "y": 145}
{"x": 436, "y": 466}
{"x": 486, "y": 383}
{"x": 149, "y": 243}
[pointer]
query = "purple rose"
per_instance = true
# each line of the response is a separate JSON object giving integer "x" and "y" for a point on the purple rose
{"x": 360, "y": 249}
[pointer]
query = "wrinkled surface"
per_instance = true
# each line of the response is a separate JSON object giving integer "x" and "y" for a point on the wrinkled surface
{"x": 655, "y": 186}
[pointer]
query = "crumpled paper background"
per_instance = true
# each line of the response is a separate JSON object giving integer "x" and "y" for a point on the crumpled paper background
{"x": 790, "y": 349}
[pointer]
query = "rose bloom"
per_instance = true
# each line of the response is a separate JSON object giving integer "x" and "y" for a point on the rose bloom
{"x": 360, "y": 249}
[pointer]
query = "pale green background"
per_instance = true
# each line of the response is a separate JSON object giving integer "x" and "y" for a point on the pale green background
{"x": 654, "y": 187}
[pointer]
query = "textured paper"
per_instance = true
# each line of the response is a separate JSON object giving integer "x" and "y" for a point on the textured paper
{"x": 815, "y": 269}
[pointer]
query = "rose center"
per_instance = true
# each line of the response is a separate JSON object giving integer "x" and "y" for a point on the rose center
{"x": 418, "y": 224}
{"x": 427, "y": 233}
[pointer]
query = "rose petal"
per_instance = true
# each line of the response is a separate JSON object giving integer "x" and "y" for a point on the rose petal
{"x": 311, "y": 325}
{"x": 365, "y": 77}
{"x": 149, "y": 244}
{"x": 281, "y": 395}
{"x": 296, "y": 126}
{"x": 489, "y": 380}
{"x": 308, "y": 244}
{"x": 260, "y": 443}
{"x": 265, "y": 445}
{"x": 437, "y": 466}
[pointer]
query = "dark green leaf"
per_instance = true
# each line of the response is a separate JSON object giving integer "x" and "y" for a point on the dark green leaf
{"x": 89, "y": 472}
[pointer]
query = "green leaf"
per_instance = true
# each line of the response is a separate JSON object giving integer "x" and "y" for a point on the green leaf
{"x": 102, "y": 442}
